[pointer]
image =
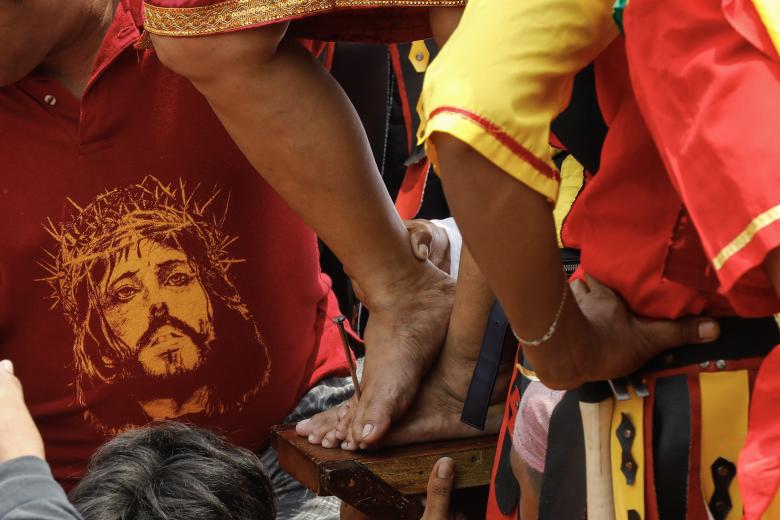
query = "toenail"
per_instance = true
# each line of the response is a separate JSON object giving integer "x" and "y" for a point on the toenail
{"x": 367, "y": 429}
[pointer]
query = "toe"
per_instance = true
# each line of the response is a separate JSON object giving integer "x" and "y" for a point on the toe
{"x": 303, "y": 428}
{"x": 318, "y": 426}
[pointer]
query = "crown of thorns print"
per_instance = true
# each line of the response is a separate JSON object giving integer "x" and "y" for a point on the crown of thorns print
{"x": 121, "y": 217}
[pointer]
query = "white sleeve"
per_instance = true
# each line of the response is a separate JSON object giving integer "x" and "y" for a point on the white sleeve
{"x": 456, "y": 242}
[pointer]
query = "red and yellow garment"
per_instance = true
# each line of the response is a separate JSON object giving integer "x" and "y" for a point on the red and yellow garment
{"x": 354, "y": 20}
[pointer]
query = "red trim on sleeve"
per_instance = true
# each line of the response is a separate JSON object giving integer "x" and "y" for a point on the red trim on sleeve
{"x": 504, "y": 138}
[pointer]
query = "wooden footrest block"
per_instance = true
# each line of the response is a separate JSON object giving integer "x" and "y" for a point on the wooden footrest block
{"x": 381, "y": 483}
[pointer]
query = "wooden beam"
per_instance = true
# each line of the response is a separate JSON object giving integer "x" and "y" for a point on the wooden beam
{"x": 405, "y": 468}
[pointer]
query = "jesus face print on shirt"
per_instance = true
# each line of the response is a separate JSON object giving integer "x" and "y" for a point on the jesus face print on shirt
{"x": 160, "y": 330}
{"x": 157, "y": 305}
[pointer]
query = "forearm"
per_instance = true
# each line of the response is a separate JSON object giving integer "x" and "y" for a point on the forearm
{"x": 29, "y": 492}
{"x": 509, "y": 229}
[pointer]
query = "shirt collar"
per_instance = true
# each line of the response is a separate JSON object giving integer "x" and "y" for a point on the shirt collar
{"x": 125, "y": 30}
{"x": 136, "y": 10}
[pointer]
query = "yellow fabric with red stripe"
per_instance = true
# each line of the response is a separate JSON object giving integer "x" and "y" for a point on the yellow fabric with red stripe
{"x": 500, "y": 97}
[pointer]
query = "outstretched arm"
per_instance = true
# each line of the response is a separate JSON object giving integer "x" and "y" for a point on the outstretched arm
{"x": 509, "y": 229}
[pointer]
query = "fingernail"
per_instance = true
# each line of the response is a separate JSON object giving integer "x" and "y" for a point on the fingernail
{"x": 708, "y": 330}
{"x": 422, "y": 250}
{"x": 311, "y": 437}
{"x": 345, "y": 445}
{"x": 367, "y": 429}
{"x": 343, "y": 411}
{"x": 7, "y": 366}
{"x": 325, "y": 443}
{"x": 446, "y": 468}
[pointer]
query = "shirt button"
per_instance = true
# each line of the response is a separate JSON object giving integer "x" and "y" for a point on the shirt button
{"x": 50, "y": 100}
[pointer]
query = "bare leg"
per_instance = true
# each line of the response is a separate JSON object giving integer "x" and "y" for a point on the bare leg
{"x": 530, "y": 482}
{"x": 298, "y": 129}
{"x": 436, "y": 412}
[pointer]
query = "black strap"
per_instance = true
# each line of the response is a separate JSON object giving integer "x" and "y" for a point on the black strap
{"x": 740, "y": 338}
{"x": 564, "y": 465}
{"x": 671, "y": 445}
{"x": 477, "y": 402}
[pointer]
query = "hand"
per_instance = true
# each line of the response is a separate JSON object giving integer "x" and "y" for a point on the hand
{"x": 620, "y": 343}
{"x": 430, "y": 242}
{"x": 18, "y": 434}
{"x": 439, "y": 493}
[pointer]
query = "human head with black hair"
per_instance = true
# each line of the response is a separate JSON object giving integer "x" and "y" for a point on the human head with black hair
{"x": 173, "y": 471}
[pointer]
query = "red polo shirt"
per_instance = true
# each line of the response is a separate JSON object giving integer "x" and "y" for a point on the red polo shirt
{"x": 146, "y": 270}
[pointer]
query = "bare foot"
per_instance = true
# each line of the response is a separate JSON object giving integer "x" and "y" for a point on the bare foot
{"x": 405, "y": 333}
{"x": 436, "y": 413}
{"x": 321, "y": 428}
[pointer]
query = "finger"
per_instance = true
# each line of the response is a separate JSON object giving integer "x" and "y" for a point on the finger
{"x": 440, "y": 483}
{"x": 597, "y": 287}
{"x": 421, "y": 238}
{"x": 7, "y": 366}
{"x": 665, "y": 334}
{"x": 579, "y": 288}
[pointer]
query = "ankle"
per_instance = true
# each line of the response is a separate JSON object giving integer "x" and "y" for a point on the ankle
{"x": 399, "y": 284}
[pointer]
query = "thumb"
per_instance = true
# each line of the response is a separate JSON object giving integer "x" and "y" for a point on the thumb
{"x": 665, "y": 334}
{"x": 439, "y": 492}
{"x": 422, "y": 239}
{"x": 7, "y": 366}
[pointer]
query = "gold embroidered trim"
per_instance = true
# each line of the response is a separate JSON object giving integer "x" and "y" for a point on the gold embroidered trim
{"x": 234, "y": 14}
{"x": 751, "y": 230}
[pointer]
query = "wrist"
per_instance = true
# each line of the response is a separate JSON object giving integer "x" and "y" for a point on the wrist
{"x": 570, "y": 357}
